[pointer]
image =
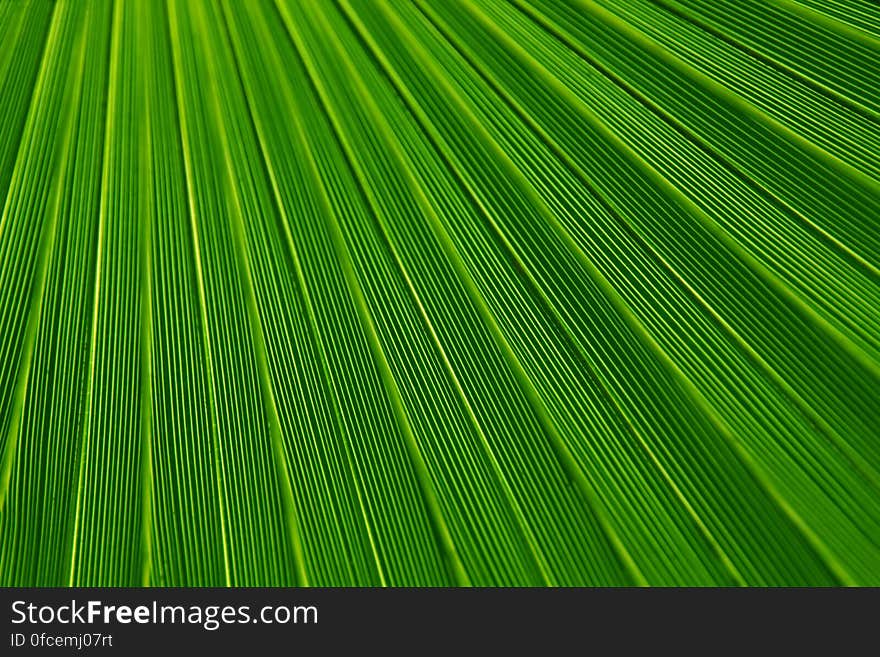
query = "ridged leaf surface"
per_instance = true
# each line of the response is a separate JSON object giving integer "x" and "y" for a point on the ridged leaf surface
{"x": 439, "y": 292}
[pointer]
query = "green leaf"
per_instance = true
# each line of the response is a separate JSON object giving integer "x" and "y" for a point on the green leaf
{"x": 418, "y": 292}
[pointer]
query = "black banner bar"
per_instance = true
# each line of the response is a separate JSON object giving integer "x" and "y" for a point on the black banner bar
{"x": 416, "y": 621}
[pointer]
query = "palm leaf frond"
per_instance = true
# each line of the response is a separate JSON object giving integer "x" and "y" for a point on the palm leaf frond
{"x": 502, "y": 292}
